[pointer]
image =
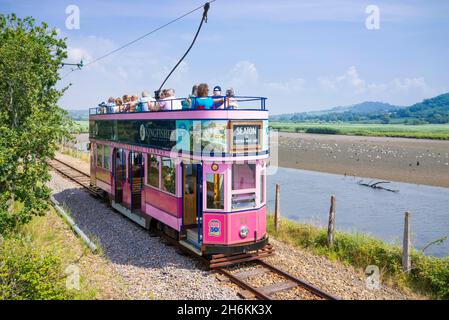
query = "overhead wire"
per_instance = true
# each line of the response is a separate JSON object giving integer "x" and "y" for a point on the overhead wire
{"x": 140, "y": 38}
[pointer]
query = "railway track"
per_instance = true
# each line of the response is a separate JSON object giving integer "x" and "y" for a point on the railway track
{"x": 74, "y": 174}
{"x": 230, "y": 267}
{"x": 284, "y": 283}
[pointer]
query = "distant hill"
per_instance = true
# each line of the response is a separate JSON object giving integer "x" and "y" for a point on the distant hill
{"x": 434, "y": 110}
{"x": 79, "y": 114}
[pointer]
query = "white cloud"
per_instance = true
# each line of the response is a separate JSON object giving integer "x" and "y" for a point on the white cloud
{"x": 289, "y": 86}
{"x": 244, "y": 74}
{"x": 75, "y": 54}
{"x": 397, "y": 90}
{"x": 349, "y": 79}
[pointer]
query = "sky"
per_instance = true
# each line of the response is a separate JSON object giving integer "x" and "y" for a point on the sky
{"x": 302, "y": 55}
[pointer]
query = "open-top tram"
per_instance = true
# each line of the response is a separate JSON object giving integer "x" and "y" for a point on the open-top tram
{"x": 197, "y": 175}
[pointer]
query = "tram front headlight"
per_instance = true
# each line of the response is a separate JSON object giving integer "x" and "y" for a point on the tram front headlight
{"x": 244, "y": 231}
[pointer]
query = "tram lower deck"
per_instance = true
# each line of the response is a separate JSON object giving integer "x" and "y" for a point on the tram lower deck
{"x": 212, "y": 202}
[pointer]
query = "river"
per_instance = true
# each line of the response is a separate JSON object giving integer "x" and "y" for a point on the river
{"x": 305, "y": 197}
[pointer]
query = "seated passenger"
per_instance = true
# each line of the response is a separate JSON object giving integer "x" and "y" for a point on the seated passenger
{"x": 118, "y": 105}
{"x": 203, "y": 101}
{"x": 111, "y": 105}
{"x": 161, "y": 103}
{"x": 126, "y": 99}
{"x": 133, "y": 103}
{"x": 145, "y": 102}
{"x": 218, "y": 98}
{"x": 171, "y": 102}
{"x": 231, "y": 101}
{"x": 187, "y": 103}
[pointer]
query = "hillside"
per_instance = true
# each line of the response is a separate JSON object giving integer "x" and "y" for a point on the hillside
{"x": 434, "y": 110}
{"x": 79, "y": 114}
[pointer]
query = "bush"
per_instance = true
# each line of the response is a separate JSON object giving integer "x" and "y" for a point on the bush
{"x": 322, "y": 130}
{"x": 28, "y": 274}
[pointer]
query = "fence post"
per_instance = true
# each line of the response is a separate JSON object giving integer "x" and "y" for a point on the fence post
{"x": 331, "y": 224}
{"x": 277, "y": 208}
{"x": 406, "y": 244}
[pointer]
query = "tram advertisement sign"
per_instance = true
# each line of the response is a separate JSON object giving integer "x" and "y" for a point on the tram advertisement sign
{"x": 246, "y": 135}
{"x": 157, "y": 134}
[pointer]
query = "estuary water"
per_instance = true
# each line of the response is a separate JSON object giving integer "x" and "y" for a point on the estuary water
{"x": 305, "y": 197}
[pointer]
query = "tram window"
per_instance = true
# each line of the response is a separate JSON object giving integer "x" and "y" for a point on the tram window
{"x": 262, "y": 186}
{"x": 153, "y": 171}
{"x": 215, "y": 191}
{"x": 244, "y": 201}
{"x": 168, "y": 176}
{"x": 106, "y": 152}
{"x": 243, "y": 176}
{"x": 99, "y": 155}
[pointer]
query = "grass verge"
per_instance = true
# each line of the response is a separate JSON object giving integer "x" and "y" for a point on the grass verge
{"x": 37, "y": 263}
{"x": 429, "y": 275}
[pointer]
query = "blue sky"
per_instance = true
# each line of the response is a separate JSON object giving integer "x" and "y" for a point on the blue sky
{"x": 302, "y": 55}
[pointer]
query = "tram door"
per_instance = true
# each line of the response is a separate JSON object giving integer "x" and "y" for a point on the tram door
{"x": 135, "y": 174}
{"x": 119, "y": 174}
{"x": 192, "y": 195}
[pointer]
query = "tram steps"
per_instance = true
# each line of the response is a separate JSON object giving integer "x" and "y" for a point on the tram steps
{"x": 192, "y": 235}
{"x": 191, "y": 247}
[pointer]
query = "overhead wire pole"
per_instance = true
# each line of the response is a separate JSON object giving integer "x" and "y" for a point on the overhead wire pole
{"x": 142, "y": 37}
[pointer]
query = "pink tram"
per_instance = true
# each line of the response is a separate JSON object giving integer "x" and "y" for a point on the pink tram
{"x": 197, "y": 175}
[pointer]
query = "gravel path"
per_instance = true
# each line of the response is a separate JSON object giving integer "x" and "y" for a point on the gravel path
{"x": 149, "y": 268}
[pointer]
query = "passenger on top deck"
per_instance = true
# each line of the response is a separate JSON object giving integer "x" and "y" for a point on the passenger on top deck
{"x": 231, "y": 101}
{"x": 218, "y": 98}
{"x": 145, "y": 102}
{"x": 118, "y": 105}
{"x": 111, "y": 105}
{"x": 131, "y": 105}
{"x": 169, "y": 101}
{"x": 203, "y": 101}
{"x": 186, "y": 104}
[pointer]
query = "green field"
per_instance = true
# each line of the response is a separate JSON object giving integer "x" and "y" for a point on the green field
{"x": 426, "y": 131}
{"x": 81, "y": 126}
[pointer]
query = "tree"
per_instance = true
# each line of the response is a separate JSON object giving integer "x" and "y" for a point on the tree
{"x": 31, "y": 123}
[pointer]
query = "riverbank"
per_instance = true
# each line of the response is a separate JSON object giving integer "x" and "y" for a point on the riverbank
{"x": 424, "y": 131}
{"x": 428, "y": 276}
{"x": 418, "y": 161}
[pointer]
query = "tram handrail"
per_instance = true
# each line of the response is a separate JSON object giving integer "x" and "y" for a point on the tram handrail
{"x": 239, "y": 99}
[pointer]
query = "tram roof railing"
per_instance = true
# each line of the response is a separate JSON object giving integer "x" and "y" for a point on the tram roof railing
{"x": 234, "y": 103}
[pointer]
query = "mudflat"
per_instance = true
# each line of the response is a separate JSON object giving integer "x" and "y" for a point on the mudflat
{"x": 417, "y": 161}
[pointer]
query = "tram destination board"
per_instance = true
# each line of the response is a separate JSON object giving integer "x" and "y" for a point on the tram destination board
{"x": 246, "y": 135}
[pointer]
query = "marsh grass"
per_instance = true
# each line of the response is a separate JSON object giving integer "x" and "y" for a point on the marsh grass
{"x": 75, "y": 153}
{"x": 426, "y": 131}
{"x": 429, "y": 275}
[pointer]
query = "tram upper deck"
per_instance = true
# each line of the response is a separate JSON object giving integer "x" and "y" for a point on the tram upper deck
{"x": 221, "y": 132}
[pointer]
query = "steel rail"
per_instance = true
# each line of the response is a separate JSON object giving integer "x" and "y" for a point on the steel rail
{"x": 261, "y": 295}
